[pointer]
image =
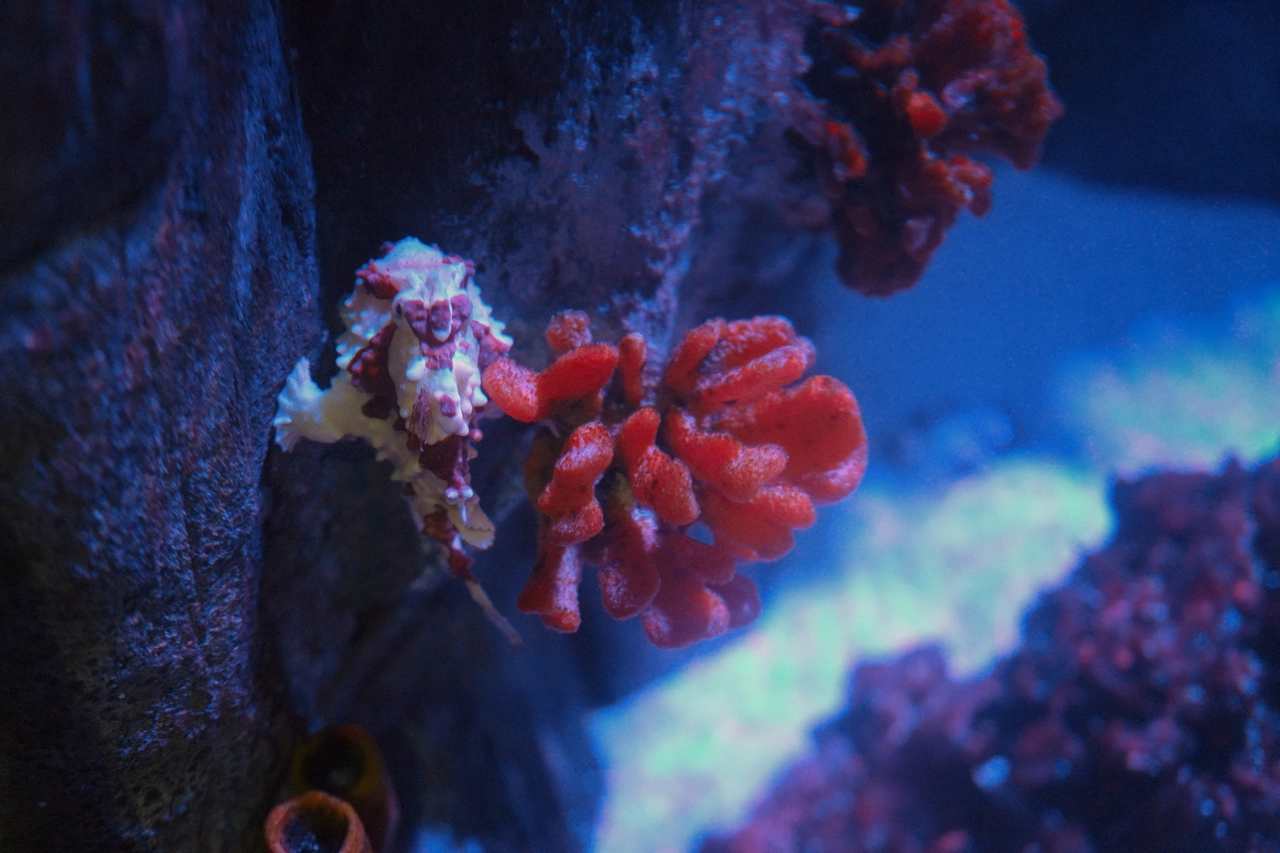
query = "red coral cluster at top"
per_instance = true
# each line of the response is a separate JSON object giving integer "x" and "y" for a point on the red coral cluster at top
{"x": 634, "y": 455}
{"x": 909, "y": 90}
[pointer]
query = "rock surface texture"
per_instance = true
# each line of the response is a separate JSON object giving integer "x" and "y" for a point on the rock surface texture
{"x": 157, "y": 279}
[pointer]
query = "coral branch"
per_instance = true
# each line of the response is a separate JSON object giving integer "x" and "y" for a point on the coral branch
{"x": 715, "y": 444}
{"x": 818, "y": 426}
{"x": 722, "y": 461}
{"x": 628, "y": 576}
{"x": 656, "y": 479}
{"x": 632, "y": 352}
{"x": 569, "y": 500}
{"x": 514, "y": 389}
{"x": 686, "y": 609}
{"x": 576, "y": 375}
{"x": 552, "y": 590}
{"x": 580, "y": 371}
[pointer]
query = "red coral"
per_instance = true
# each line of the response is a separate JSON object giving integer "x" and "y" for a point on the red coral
{"x": 909, "y": 90}
{"x": 569, "y": 500}
{"x": 581, "y": 371}
{"x": 623, "y": 471}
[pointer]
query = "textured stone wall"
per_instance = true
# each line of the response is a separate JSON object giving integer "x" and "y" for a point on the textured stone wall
{"x": 157, "y": 281}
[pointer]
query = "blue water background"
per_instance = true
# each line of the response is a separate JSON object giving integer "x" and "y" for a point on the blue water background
{"x": 1076, "y": 332}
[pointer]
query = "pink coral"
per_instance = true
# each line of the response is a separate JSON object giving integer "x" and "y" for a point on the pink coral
{"x": 905, "y": 93}
{"x": 1139, "y": 713}
{"x": 630, "y": 462}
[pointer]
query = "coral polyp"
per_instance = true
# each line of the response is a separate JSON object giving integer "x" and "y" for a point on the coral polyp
{"x": 630, "y": 459}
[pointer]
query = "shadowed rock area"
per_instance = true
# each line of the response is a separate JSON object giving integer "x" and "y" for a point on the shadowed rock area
{"x": 158, "y": 281}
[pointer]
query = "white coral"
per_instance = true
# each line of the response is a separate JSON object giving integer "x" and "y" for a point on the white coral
{"x": 440, "y": 327}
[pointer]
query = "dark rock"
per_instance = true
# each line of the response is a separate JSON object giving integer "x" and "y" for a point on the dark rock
{"x": 92, "y": 112}
{"x": 566, "y": 148}
{"x": 157, "y": 283}
{"x": 1181, "y": 95}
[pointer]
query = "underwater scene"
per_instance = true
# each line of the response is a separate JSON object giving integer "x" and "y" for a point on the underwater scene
{"x": 768, "y": 426}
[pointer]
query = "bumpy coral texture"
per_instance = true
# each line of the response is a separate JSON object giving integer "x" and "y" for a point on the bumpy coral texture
{"x": 418, "y": 337}
{"x": 634, "y": 455}
{"x": 909, "y": 91}
{"x": 1138, "y": 715}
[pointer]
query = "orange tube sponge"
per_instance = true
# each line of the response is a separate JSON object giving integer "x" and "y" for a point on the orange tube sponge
{"x": 315, "y": 821}
{"x": 626, "y": 464}
{"x": 343, "y": 760}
